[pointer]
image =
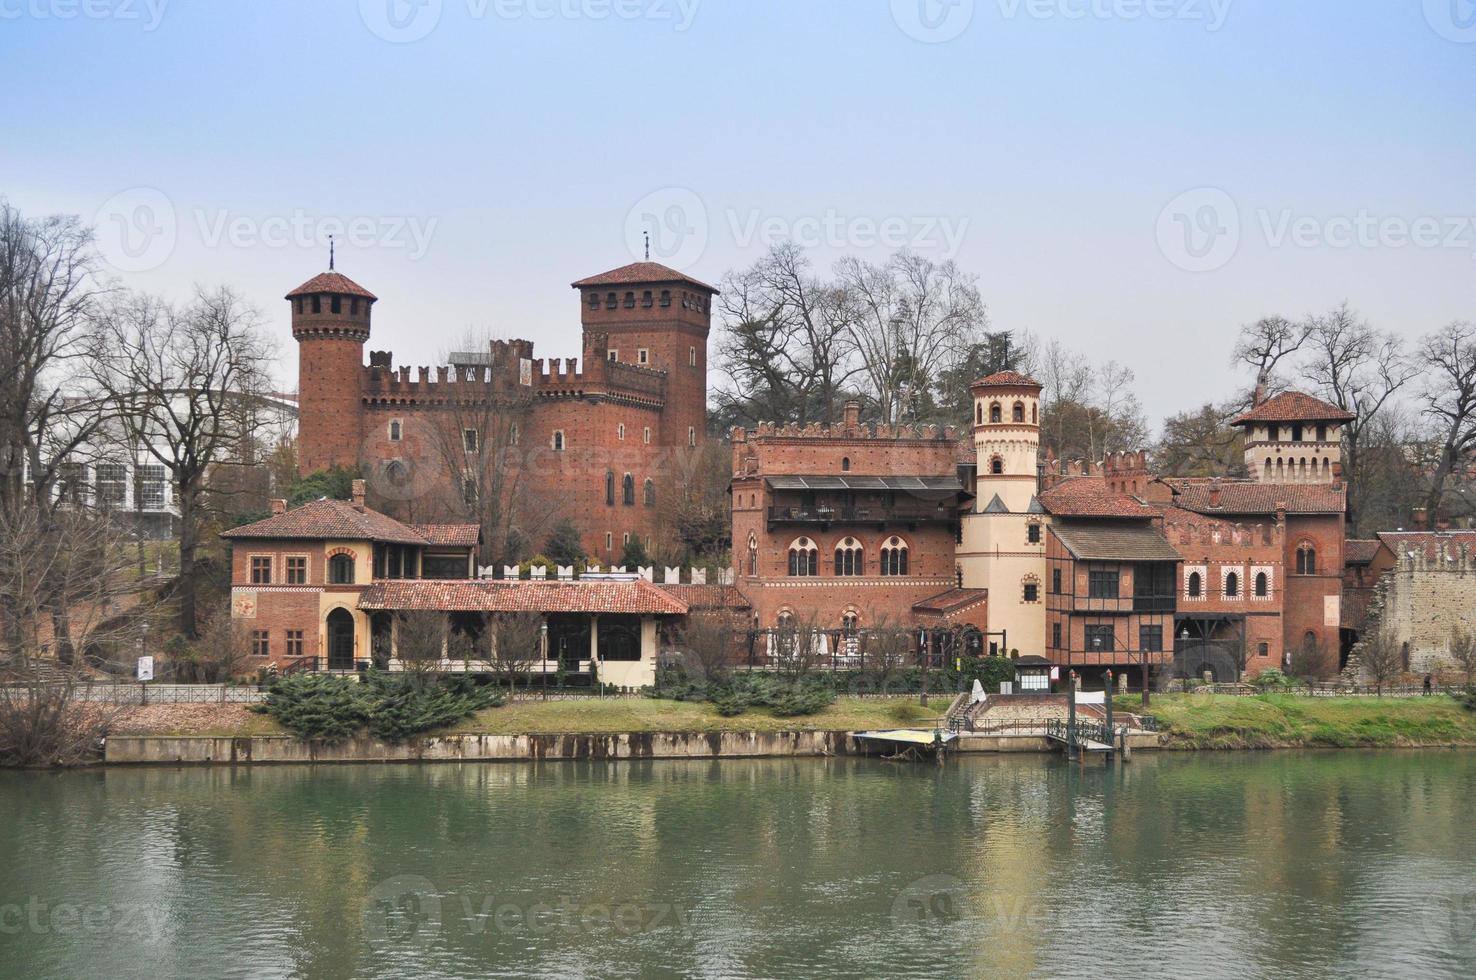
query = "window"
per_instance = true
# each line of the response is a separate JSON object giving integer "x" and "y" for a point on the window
{"x": 996, "y": 414}
{"x": 611, "y": 301}
{"x": 894, "y": 556}
{"x": 112, "y": 483}
{"x": 469, "y": 493}
{"x": 335, "y": 304}
{"x": 996, "y": 466}
{"x": 978, "y": 413}
{"x": 628, "y": 490}
{"x": 1306, "y": 559}
{"x": 1032, "y": 591}
{"x": 609, "y": 488}
{"x": 845, "y": 464}
{"x": 294, "y": 643}
{"x": 650, "y": 492}
{"x": 1056, "y": 635}
{"x": 1195, "y": 586}
{"x": 1102, "y": 583}
{"x": 341, "y": 570}
{"x": 151, "y": 487}
{"x": 261, "y": 643}
{"x": 1232, "y": 585}
{"x": 1263, "y": 585}
{"x": 1322, "y": 433}
{"x": 594, "y": 301}
{"x": 73, "y": 482}
{"x": 666, "y": 297}
{"x": 1296, "y": 432}
{"x": 609, "y": 541}
{"x": 647, "y": 300}
{"x": 1263, "y": 650}
{"x": 613, "y": 354}
{"x": 646, "y": 435}
{"x": 691, "y": 435}
{"x": 1056, "y": 581}
{"x": 297, "y": 570}
{"x": 513, "y": 434}
{"x": 1100, "y": 638}
{"x": 691, "y": 357}
{"x": 1150, "y": 639}
{"x": 752, "y": 555}
{"x": 469, "y": 440}
{"x": 804, "y": 558}
{"x": 354, "y": 306}
{"x": 1032, "y": 533}
{"x": 643, "y": 356}
{"x": 625, "y": 538}
{"x": 630, "y": 300}
{"x": 849, "y": 558}
{"x": 396, "y": 429}
{"x": 1017, "y": 414}
{"x": 261, "y": 570}
{"x": 558, "y": 441}
{"x": 317, "y": 304}
{"x": 620, "y": 431}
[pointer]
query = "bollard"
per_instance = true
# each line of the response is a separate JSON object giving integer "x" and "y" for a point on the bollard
{"x": 1111, "y": 732}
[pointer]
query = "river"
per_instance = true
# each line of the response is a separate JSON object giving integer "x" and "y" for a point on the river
{"x": 1177, "y": 866}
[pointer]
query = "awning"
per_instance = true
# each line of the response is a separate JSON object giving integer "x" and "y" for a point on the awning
{"x": 899, "y": 484}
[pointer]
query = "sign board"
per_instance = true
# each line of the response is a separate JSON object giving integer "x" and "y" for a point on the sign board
{"x": 243, "y": 605}
{"x": 1055, "y": 673}
{"x": 145, "y": 668}
{"x": 1331, "y": 611}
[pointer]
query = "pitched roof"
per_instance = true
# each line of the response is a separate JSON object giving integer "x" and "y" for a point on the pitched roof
{"x": 330, "y": 519}
{"x": 641, "y": 272}
{"x": 1089, "y": 496}
{"x": 460, "y": 535}
{"x": 1006, "y": 379}
{"x": 1114, "y": 542}
{"x": 1246, "y": 497}
{"x": 1402, "y": 542}
{"x": 1293, "y": 406}
{"x": 493, "y": 595}
{"x": 996, "y": 506}
{"x": 1356, "y": 552}
{"x": 946, "y": 602}
{"x": 708, "y": 596}
{"x": 331, "y": 282}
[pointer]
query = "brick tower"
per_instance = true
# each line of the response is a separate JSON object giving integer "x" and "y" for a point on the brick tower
{"x": 654, "y": 317}
{"x": 330, "y": 322}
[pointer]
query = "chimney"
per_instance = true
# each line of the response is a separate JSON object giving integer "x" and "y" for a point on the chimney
{"x": 279, "y": 507}
{"x": 853, "y": 415}
{"x": 358, "y": 494}
{"x": 1421, "y": 519}
{"x": 1260, "y": 395}
{"x": 1215, "y": 493}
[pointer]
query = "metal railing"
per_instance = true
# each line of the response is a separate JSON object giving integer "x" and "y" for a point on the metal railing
{"x": 858, "y": 515}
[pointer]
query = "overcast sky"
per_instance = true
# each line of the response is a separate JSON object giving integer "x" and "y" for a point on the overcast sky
{"x": 1134, "y": 177}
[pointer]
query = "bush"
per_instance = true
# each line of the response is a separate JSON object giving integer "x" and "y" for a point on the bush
{"x": 320, "y": 707}
{"x": 392, "y": 707}
{"x": 1272, "y": 679}
{"x": 1467, "y": 697}
{"x": 735, "y": 694}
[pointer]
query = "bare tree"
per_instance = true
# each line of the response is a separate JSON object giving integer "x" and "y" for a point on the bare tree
{"x": 515, "y": 640}
{"x": 1310, "y": 661}
{"x": 223, "y": 651}
{"x": 422, "y": 641}
{"x": 1463, "y": 651}
{"x": 1382, "y": 657}
{"x": 1266, "y": 343}
{"x": 693, "y": 504}
{"x": 185, "y": 384}
{"x": 708, "y": 641}
{"x": 1448, "y": 360}
{"x": 1201, "y": 443}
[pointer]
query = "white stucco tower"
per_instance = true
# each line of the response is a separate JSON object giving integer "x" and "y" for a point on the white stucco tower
{"x": 1003, "y": 547}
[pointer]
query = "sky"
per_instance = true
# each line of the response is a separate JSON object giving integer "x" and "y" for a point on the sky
{"x": 1135, "y": 178}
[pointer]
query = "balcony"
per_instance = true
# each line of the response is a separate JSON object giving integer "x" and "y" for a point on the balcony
{"x": 880, "y": 515}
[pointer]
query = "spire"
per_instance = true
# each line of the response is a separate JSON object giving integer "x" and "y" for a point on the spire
{"x": 648, "y": 246}
{"x": 330, "y": 253}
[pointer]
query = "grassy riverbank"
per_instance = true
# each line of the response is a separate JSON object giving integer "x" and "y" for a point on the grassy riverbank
{"x": 1268, "y": 721}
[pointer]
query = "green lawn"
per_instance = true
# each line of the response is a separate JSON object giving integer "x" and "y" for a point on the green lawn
{"x": 1218, "y": 721}
{"x": 650, "y": 715}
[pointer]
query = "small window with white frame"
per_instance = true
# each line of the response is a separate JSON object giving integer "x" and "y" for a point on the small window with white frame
{"x": 620, "y": 431}
{"x": 691, "y": 435}
{"x": 614, "y": 355}
{"x": 558, "y": 440}
{"x": 469, "y": 440}
{"x": 396, "y": 430}
{"x": 646, "y": 435}
{"x": 643, "y": 356}
{"x": 691, "y": 357}
{"x": 609, "y": 540}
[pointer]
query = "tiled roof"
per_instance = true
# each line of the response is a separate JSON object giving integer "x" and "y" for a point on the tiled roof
{"x": 708, "y": 596}
{"x": 945, "y": 602}
{"x": 1089, "y": 496}
{"x": 1006, "y": 379}
{"x": 1293, "y": 406}
{"x": 1259, "y": 498}
{"x": 641, "y": 272}
{"x": 1356, "y": 552}
{"x": 490, "y": 595}
{"x": 329, "y": 519}
{"x": 1402, "y": 542}
{"x": 461, "y": 535}
{"x": 331, "y": 282}
{"x": 1114, "y": 542}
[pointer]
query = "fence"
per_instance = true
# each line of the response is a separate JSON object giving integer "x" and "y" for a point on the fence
{"x": 133, "y": 692}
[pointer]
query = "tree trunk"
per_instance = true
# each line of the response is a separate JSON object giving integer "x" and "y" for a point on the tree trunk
{"x": 61, "y": 627}
{"x": 1446, "y": 466}
{"x": 187, "y": 544}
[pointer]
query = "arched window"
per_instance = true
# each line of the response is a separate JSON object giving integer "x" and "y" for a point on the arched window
{"x": 1306, "y": 559}
{"x": 996, "y": 466}
{"x": 611, "y": 301}
{"x": 647, "y": 300}
{"x": 804, "y": 558}
{"x": 558, "y": 441}
{"x": 894, "y": 556}
{"x": 850, "y": 622}
{"x": 752, "y": 555}
{"x": 666, "y": 297}
{"x": 1309, "y": 640}
{"x": 630, "y": 300}
{"x": 978, "y": 409}
{"x": 1196, "y": 585}
{"x": 1232, "y": 585}
{"x": 341, "y": 570}
{"x": 395, "y": 430}
{"x": 996, "y": 414}
{"x": 609, "y": 488}
{"x": 650, "y": 493}
{"x": 1263, "y": 585}
{"x": 1267, "y": 471}
{"x": 594, "y": 301}
{"x": 1017, "y": 414}
{"x": 628, "y": 490}
{"x": 849, "y": 558}
{"x": 1034, "y": 414}
{"x": 845, "y": 464}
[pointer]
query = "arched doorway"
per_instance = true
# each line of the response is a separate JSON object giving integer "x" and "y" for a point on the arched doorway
{"x": 340, "y": 640}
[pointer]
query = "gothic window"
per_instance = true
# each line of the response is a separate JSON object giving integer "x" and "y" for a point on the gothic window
{"x": 1232, "y": 585}
{"x": 558, "y": 441}
{"x": 978, "y": 413}
{"x": 1296, "y": 432}
{"x": 996, "y": 414}
{"x": 752, "y": 555}
{"x": 691, "y": 435}
{"x": 1322, "y": 433}
{"x": 1306, "y": 559}
{"x": 609, "y": 488}
{"x": 845, "y": 464}
{"x": 650, "y": 493}
{"x": 628, "y": 490}
{"x": 894, "y": 556}
{"x": 620, "y": 431}
{"x": 849, "y": 558}
{"x": 804, "y": 558}
{"x": 1196, "y": 585}
{"x": 1017, "y": 414}
{"x": 1034, "y": 414}
{"x": 1263, "y": 585}
{"x": 646, "y": 435}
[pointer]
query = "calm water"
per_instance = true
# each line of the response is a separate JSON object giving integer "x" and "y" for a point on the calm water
{"x": 1247, "y": 865}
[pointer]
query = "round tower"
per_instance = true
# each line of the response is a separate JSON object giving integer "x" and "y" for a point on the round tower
{"x": 1007, "y": 440}
{"x": 330, "y": 322}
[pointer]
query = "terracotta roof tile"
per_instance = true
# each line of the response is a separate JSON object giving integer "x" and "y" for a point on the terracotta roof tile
{"x": 1006, "y": 379}
{"x": 461, "y": 535}
{"x": 1356, "y": 552}
{"x": 1293, "y": 406}
{"x": 945, "y": 602}
{"x": 325, "y": 519}
{"x": 1089, "y": 496}
{"x": 641, "y": 272}
{"x": 1258, "y": 498}
{"x": 1402, "y": 542}
{"x": 492, "y": 595}
{"x": 331, "y": 282}
{"x": 708, "y": 596}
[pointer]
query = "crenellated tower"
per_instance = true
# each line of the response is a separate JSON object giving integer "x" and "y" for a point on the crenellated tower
{"x": 330, "y": 322}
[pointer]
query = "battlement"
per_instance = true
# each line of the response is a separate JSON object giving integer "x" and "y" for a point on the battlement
{"x": 1223, "y": 535}
{"x": 509, "y": 367}
{"x": 1460, "y": 560}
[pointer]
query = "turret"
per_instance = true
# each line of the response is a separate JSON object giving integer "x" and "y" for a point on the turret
{"x": 1293, "y": 438}
{"x": 330, "y": 322}
{"x": 1007, "y": 439}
